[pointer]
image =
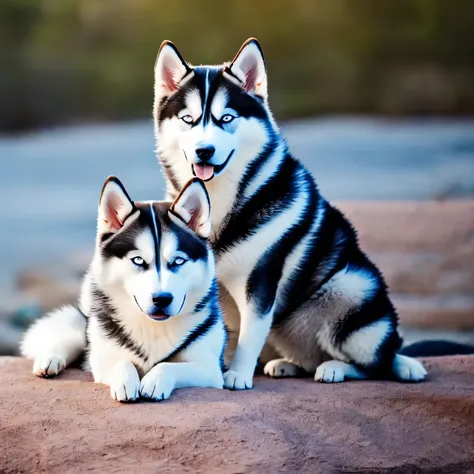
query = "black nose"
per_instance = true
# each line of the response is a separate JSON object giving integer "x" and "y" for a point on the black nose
{"x": 162, "y": 300}
{"x": 205, "y": 153}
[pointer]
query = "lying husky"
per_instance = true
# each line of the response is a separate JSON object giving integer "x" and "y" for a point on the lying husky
{"x": 148, "y": 301}
{"x": 289, "y": 260}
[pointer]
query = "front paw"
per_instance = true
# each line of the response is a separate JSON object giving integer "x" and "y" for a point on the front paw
{"x": 279, "y": 368}
{"x": 157, "y": 384}
{"x": 48, "y": 366}
{"x": 125, "y": 383}
{"x": 234, "y": 380}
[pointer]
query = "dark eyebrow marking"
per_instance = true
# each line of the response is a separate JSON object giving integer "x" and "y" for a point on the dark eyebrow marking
{"x": 155, "y": 231}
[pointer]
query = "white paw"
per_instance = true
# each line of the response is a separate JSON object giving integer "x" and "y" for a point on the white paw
{"x": 157, "y": 384}
{"x": 234, "y": 380}
{"x": 280, "y": 368}
{"x": 48, "y": 366}
{"x": 329, "y": 372}
{"x": 125, "y": 383}
{"x": 407, "y": 369}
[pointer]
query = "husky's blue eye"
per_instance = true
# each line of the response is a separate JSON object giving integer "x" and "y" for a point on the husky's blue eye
{"x": 227, "y": 118}
{"x": 178, "y": 261}
{"x": 138, "y": 261}
{"x": 187, "y": 119}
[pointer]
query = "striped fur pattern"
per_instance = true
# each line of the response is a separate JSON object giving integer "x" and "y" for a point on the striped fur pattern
{"x": 288, "y": 262}
{"x": 149, "y": 318}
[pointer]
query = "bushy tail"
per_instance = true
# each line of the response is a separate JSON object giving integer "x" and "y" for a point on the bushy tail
{"x": 55, "y": 341}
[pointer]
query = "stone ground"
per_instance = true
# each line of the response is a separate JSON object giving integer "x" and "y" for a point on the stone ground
{"x": 70, "y": 424}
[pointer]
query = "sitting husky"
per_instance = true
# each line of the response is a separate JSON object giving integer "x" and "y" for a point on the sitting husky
{"x": 288, "y": 261}
{"x": 149, "y": 316}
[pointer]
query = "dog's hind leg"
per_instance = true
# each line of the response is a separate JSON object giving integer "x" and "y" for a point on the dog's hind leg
{"x": 55, "y": 340}
{"x": 370, "y": 352}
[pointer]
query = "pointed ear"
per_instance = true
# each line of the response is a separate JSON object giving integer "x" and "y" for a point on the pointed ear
{"x": 115, "y": 206}
{"x": 249, "y": 68}
{"x": 192, "y": 208}
{"x": 170, "y": 69}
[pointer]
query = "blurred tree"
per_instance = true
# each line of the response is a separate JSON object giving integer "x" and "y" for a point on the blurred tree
{"x": 64, "y": 61}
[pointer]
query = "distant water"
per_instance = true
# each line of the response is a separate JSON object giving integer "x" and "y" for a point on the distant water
{"x": 50, "y": 180}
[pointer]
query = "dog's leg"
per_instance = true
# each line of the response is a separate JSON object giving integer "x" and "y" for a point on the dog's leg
{"x": 55, "y": 340}
{"x": 362, "y": 348}
{"x": 165, "y": 377}
{"x": 254, "y": 329}
{"x": 124, "y": 382}
{"x": 111, "y": 365}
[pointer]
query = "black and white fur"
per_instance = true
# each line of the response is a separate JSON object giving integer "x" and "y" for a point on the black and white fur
{"x": 288, "y": 262}
{"x": 149, "y": 316}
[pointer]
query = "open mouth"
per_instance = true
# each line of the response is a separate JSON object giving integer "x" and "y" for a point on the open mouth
{"x": 206, "y": 171}
{"x": 159, "y": 314}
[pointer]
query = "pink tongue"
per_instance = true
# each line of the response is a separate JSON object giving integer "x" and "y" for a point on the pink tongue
{"x": 204, "y": 172}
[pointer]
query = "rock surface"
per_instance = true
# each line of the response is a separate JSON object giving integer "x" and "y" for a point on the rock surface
{"x": 72, "y": 425}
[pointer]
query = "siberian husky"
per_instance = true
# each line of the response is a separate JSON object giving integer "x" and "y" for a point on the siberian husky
{"x": 289, "y": 263}
{"x": 148, "y": 317}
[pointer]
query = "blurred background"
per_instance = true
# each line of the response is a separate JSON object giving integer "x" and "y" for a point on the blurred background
{"x": 376, "y": 97}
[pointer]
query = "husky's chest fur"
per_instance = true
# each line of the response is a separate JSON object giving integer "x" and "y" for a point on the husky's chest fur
{"x": 111, "y": 317}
